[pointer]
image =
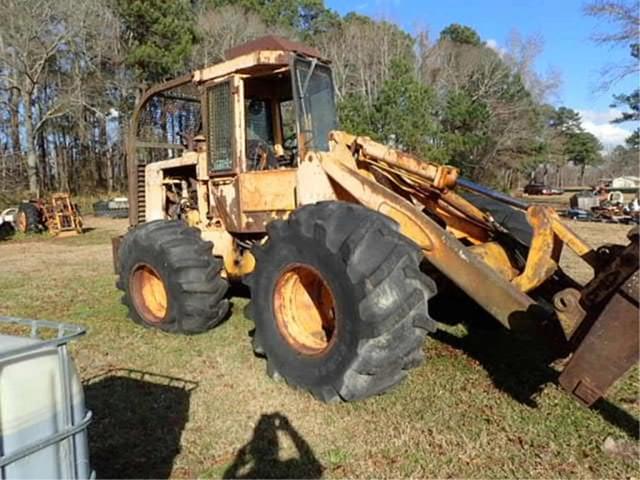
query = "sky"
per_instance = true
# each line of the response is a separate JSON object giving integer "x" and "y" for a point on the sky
{"x": 566, "y": 32}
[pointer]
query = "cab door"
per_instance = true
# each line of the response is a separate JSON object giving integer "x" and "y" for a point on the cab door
{"x": 265, "y": 187}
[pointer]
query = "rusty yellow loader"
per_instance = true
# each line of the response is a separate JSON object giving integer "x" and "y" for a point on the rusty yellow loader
{"x": 238, "y": 172}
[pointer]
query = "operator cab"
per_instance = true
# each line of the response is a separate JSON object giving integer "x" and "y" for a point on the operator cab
{"x": 287, "y": 109}
{"x": 274, "y": 121}
{"x": 242, "y": 126}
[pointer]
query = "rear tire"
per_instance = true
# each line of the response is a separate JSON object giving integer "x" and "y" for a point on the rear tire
{"x": 29, "y": 219}
{"x": 170, "y": 278}
{"x": 367, "y": 290}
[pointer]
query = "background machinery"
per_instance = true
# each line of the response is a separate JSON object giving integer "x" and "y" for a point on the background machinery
{"x": 57, "y": 215}
{"x": 237, "y": 172}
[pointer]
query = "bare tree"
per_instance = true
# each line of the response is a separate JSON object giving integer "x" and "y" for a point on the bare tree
{"x": 361, "y": 51}
{"x": 224, "y": 27}
{"x": 493, "y": 81}
{"x": 46, "y": 49}
{"x": 624, "y": 16}
{"x": 521, "y": 53}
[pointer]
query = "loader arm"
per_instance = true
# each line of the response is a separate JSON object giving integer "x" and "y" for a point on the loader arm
{"x": 418, "y": 193}
{"x": 442, "y": 249}
{"x": 462, "y": 242}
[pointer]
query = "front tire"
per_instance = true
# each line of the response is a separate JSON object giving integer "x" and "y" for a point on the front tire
{"x": 170, "y": 278}
{"x": 339, "y": 302}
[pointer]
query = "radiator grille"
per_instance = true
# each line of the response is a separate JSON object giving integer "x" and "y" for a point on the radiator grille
{"x": 140, "y": 193}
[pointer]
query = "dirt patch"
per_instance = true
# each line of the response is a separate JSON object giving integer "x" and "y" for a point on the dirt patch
{"x": 118, "y": 225}
{"x": 40, "y": 254}
{"x": 595, "y": 234}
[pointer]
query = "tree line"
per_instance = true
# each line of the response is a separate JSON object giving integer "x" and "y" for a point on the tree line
{"x": 72, "y": 70}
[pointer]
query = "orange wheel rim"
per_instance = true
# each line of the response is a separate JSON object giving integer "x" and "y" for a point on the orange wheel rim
{"x": 304, "y": 308}
{"x": 149, "y": 294}
{"x": 21, "y": 222}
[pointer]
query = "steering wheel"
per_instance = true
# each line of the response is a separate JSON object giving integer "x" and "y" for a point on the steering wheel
{"x": 260, "y": 156}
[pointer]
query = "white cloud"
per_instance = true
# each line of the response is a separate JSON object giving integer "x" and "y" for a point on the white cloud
{"x": 609, "y": 134}
{"x": 599, "y": 124}
{"x": 495, "y": 46}
{"x": 599, "y": 116}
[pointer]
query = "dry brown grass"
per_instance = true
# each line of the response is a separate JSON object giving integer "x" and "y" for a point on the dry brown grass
{"x": 483, "y": 405}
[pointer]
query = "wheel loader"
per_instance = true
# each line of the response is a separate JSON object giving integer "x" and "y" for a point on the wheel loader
{"x": 238, "y": 173}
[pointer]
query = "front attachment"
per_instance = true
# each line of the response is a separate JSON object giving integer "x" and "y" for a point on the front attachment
{"x": 609, "y": 349}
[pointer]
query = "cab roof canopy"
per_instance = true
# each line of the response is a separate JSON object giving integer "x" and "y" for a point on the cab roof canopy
{"x": 259, "y": 55}
{"x": 271, "y": 42}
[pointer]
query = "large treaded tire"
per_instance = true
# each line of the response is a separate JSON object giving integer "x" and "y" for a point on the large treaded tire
{"x": 29, "y": 219}
{"x": 380, "y": 295}
{"x": 190, "y": 273}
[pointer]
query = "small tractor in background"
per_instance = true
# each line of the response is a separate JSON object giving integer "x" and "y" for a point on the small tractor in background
{"x": 237, "y": 172}
{"x": 58, "y": 215}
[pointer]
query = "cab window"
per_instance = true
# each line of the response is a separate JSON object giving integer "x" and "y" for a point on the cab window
{"x": 268, "y": 102}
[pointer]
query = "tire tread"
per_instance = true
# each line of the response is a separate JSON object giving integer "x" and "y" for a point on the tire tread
{"x": 386, "y": 265}
{"x": 199, "y": 296}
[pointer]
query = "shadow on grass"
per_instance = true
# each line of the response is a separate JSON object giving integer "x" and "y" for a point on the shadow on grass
{"x": 518, "y": 364}
{"x": 259, "y": 457}
{"x": 520, "y": 368}
{"x": 618, "y": 417}
{"x": 138, "y": 418}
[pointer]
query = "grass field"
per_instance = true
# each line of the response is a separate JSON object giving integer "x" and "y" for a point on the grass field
{"x": 485, "y": 404}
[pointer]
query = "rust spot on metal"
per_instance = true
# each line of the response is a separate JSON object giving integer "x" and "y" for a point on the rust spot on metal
{"x": 115, "y": 250}
{"x": 568, "y": 309}
{"x": 268, "y": 190}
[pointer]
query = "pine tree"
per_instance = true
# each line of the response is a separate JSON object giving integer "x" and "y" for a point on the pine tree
{"x": 461, "y": 34}
{"x": 159, "y": 35}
